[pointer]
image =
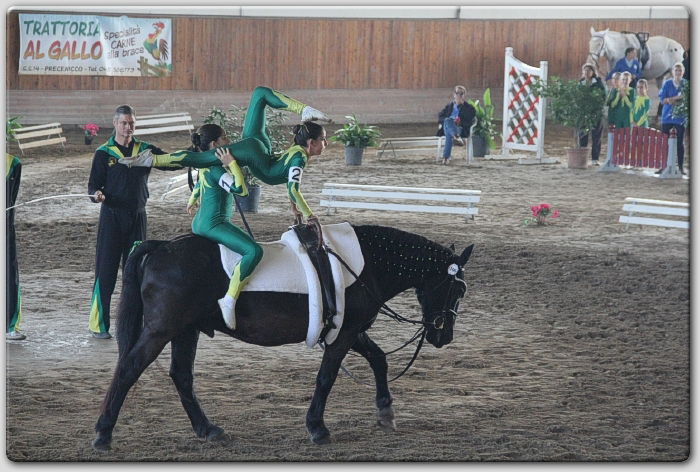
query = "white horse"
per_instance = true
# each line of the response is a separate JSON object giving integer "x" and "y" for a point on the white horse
{"x": 664, "y": 52}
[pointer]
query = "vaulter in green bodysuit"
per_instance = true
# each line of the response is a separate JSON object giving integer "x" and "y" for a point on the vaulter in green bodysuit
{"x": 220, "y": 176}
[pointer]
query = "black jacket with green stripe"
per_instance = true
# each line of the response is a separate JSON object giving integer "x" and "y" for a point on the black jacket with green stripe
{"x": 124, "y": 187}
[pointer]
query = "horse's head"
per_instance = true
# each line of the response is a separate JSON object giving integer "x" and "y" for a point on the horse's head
{"x": 439, "y": 297}
{"x": 597, "y": 47}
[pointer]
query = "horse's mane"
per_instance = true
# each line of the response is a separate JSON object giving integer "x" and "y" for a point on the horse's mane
{"x": 400, "y": 252}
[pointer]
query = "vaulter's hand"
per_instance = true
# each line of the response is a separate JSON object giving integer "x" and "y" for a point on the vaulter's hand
{"x": 224, "y": 155}
{"x": 313, "y": 221}
{"x": 298, "y": 216}
{"x": 191, "y": 208}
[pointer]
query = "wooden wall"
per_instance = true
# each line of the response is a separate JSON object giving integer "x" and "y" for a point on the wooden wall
{"x": 240, "y": 53}
{"x": 236, "y": 54}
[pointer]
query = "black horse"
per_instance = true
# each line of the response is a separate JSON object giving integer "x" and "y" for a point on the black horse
{"x": 170, "y": 291}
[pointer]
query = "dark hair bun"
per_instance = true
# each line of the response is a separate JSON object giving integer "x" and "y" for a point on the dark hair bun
{"x": 196, "y": 139}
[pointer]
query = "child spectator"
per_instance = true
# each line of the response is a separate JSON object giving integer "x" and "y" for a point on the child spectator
{"x": 620, "y": 102}
{"x": 642, "y": 104}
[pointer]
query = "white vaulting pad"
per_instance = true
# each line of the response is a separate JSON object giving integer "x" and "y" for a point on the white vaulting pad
{"x": 286, "y": 267}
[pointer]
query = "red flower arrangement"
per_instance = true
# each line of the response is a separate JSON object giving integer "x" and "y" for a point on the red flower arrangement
{"x": 540, "y": 213}
{"x": 90, "y": 129}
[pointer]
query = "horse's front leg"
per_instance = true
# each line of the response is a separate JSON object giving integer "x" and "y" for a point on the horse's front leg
{"x": 332, "y": 358}
{"x": 377, "y": 361}
{"x": 183, "y": 352}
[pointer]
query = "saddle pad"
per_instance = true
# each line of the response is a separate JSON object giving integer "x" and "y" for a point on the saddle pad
{"x": 286, "y": 267}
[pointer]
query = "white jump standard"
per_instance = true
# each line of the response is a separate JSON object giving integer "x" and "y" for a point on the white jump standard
{"x": 523, "y": 111}
{"x": 364, "y": 192}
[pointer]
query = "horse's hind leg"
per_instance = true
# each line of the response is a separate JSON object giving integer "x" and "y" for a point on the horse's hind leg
{"x": 183, "y": 352}
{"x": 128, "y": 370}
{"x": 377, "y": 360}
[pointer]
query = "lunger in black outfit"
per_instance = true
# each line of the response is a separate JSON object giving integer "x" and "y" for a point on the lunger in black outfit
{"x": 123, "y": 192}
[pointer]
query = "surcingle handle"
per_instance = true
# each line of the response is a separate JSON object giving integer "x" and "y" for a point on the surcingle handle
{"x": 319, "y": 258}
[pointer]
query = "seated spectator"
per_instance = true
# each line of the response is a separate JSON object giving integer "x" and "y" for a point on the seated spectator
{"x": 454, "y": 121}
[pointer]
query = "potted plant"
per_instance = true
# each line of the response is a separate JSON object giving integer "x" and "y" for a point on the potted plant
{"x": 683, "y": 109}
{"x": 540, "y": 214}
{"x": 575, "y": 104}
{"x": 356, "y": 138}
{"x": 90, "y": 132}
{"x": 485, "y": 130}
{"x": 12, "y": 124}
{"x": 249, "y": 203}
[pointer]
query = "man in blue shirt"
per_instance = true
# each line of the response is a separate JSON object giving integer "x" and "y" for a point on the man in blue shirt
{"x": 630, "y": 64}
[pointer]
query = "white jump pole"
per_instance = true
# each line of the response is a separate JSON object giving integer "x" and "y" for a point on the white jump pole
{"x": 671, "y": 171}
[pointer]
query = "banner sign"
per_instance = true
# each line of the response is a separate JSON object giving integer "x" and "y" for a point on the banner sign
{"x": 95, "y": 45}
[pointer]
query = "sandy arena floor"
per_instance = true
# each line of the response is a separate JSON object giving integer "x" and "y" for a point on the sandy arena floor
{"x": 572, "y": 343}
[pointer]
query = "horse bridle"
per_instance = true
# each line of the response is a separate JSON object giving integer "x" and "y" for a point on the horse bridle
{"x": 439, "y": 321}
{"x": 597, "y": 57}
{"x": 384, "y": 309}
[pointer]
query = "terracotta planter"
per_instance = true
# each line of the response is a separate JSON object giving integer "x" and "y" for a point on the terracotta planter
{"x": 353, "y": 155}
{"x": 578, "y": 157}
{"x": 249, "y": 203}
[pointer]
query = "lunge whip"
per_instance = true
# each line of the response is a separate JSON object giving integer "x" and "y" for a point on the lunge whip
{"x": 47, "y": 198}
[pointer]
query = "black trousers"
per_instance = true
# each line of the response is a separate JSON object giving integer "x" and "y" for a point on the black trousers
{"x": 117, "y": 230}
{"x": 597, "y": 133}
{"x": 680, "y": 134}
{"x": 12, "y": 298}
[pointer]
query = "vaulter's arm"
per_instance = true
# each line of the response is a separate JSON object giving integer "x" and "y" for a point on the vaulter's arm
{"x": 294, "y": 188}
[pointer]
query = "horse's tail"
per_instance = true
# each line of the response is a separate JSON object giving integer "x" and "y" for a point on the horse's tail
{"x": 130, "y": 312}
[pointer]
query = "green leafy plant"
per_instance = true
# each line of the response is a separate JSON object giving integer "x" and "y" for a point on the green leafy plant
{"x": 356, "y": 135}
{"x": 10, "y": 125}
{"x": 683, "y": 109}
{"x": 484, "y": 119}
{"x": 232, "y": 121}
{"x": 572, "y": 103}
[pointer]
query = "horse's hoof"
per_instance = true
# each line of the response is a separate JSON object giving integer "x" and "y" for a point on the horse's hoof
{"x": 102, "y": 444}
{"x": 386, "y": 419}
{"x": 215, "y": 434}
{"x": 321, "y": 438}
{"x": 389, "y": 426}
